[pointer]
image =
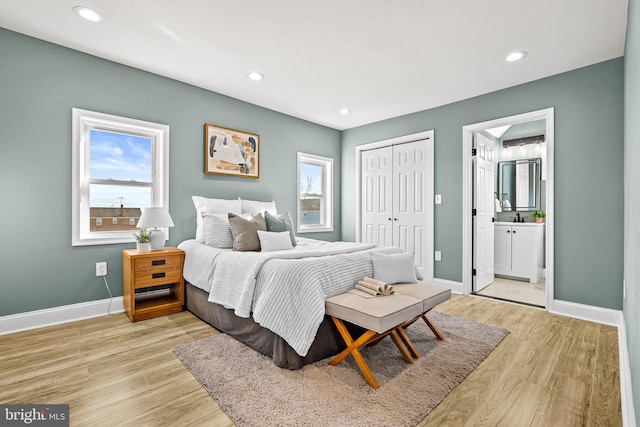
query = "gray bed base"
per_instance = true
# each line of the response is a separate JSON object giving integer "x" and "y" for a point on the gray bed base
{"x": 328, "y": 341}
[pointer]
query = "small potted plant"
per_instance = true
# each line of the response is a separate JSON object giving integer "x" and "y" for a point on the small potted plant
{"x": 538, "y": 214}
{"x": 142, "y": 239}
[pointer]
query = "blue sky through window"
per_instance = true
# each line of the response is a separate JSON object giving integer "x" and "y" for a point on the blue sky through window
{"x": 310, "y": 179}
{"x": 120, "y": 157}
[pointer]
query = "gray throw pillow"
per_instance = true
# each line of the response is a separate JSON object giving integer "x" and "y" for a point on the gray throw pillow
{"x": 245, "y": 232}
{"x": 394, "y": 268}
{"x": 280, "y": 223}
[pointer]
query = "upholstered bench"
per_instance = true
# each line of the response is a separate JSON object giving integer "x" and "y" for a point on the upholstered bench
{"x": 380, "y": 316}
{"x": 430, "y": 294}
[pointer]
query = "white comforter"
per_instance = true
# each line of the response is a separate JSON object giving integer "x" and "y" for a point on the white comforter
{"x": 285, "y": 290}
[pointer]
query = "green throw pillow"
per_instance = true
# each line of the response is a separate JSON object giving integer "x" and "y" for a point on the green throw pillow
{"x": 283, "y": 223}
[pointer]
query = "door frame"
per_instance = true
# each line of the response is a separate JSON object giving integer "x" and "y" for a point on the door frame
{"x": 429, "y": 196}
{"x": 467, "y": 194}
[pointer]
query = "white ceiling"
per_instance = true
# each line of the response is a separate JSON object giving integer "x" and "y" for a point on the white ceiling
{"x": 378, "y": 58}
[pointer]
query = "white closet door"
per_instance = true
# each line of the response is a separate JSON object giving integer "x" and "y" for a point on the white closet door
{"x": 377, "y": 214}
{"x": 410, "y": 163}
{"x": 483, "y": 235}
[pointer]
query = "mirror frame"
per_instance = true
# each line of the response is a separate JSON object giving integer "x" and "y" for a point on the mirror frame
{"x": 536, "y": 185}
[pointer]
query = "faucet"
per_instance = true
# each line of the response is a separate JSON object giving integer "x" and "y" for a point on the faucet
{"x": 517, "y": 217}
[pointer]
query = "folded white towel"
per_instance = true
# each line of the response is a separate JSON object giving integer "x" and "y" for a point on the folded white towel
{"x": 374, "y": 287}
{"x": 498, "y": 208}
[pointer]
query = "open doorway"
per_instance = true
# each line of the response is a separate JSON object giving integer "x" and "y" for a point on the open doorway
{"x": 507, "y": 183}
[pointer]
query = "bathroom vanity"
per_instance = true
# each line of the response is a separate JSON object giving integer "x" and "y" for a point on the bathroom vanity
{"x": 519, "y": 250}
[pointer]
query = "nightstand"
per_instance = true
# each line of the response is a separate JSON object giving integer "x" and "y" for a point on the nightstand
{"x": 152, "y": 282}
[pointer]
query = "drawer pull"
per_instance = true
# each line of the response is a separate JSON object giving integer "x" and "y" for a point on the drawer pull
{"x": 158, "y": 262}
{"x": 158, "y": 275}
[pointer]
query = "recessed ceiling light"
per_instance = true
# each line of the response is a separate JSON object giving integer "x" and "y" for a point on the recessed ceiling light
{"x": 88, "y": 14}
{"x": 516, "y": 56}
{"x": 344, "y": 111}
{"x": 256, "y": 76}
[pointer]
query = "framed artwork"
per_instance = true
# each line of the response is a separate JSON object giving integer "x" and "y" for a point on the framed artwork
{"x": 231, "y": 152}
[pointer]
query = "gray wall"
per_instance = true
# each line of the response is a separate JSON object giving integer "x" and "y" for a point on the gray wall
{"x": 588, "y": 174}
{"x": 631, "y": 304}
{"x": 39, "y": 84}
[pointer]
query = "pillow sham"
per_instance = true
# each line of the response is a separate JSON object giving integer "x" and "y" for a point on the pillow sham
{"x": 394, "y": 268}
{"x": 255, "y": 207}
{"x": 217, "y": 231}
{"x": 281, "y": 223}
{"x": 206, "y": 205}
{"x": 274, "y": 241}
{"x": 245, "y": 232}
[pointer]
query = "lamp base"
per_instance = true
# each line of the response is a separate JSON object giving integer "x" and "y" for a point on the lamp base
{"x": 157, "y": 238}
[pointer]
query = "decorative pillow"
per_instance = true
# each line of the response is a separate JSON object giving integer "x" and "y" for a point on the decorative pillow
{"x": 254, "y": 207}
{"x": 217, "y": 231}
{"x": 280, "y": 223}
{"x": 394, "y": 268}
{"x": 206, "y": 205}
{"x": 245, "y": 232}
{"x": 274, "y": 241}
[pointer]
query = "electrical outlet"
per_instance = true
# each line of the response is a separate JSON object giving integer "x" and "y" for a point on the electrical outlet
{"x": 101, "y": 269}
{"x": 438, "y": 256}
{"x": 438, "y": 199}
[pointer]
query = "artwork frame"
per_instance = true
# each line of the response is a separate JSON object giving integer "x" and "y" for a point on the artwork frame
{"x": 231, "y": 152}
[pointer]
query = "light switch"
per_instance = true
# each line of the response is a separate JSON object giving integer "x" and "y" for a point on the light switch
{"x": 438, "y": 256}
{"x": 438, "y": 199}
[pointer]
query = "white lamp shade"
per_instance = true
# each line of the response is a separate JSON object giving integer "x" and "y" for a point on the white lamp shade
{"x": 155, "y": 218}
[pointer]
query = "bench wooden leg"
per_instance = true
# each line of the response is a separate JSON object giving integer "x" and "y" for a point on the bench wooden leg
{"x": 407, "y": 342}
{"x": 433, "y": 328}
{"x": 353, "y": 349}
{"x": 396, "y": 341}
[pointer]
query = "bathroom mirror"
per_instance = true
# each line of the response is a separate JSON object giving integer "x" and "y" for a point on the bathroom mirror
{"x": 519, "y": 185}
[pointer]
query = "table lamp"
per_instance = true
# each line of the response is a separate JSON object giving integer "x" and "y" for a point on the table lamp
{"x": 155, "y": 218}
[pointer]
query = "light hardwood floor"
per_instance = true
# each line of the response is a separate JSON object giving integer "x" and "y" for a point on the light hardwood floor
{"x": 549, "y": 371}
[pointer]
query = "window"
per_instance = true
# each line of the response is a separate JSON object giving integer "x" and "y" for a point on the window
{"x": 120, "y": 166}
{"x": 315, "y": 179}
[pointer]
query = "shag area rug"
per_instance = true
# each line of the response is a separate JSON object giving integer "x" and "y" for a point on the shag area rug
{"x": 254, "y": 392}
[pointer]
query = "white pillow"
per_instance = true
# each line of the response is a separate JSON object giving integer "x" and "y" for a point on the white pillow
{"x": 254, "y": 207}
{"x": 205, "y": 205}
{"x": 217, "y": 231}
{"x": 274, "y": 241}
{"x": 394, "y": 268}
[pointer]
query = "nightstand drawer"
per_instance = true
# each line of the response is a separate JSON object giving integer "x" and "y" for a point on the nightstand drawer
{"x": 161, "y": 262}
{"x": 157, "y": 276}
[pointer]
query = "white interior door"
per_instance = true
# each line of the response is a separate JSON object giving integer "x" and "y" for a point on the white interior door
{"x": 410, "y": 164}
{"x": 483, "y": 237}
{"x": 377, "y": 207}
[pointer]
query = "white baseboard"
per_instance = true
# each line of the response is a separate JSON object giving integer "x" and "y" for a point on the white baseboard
{"x": 456, "y": 287}
{"x": 626, "y": 394}
{"x": 591, "y": 313}
{"x": 58, "y": 315}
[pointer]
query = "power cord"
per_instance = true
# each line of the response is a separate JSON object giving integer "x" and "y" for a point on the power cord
{"x": 106, "y": 285}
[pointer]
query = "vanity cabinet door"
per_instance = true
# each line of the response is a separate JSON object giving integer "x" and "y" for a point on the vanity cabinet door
{"x": 522, "y": 251}
{"x": 502, "y": 249}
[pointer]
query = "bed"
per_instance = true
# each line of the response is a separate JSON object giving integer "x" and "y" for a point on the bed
{"x": 248, "y": 275}
{"x": 274, "y": 302}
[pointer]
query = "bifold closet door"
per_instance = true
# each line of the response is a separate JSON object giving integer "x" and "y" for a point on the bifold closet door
{"x": 409, "y": 204}
{"x": 393, "y": 204}
{"x": 377, "y": 188}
